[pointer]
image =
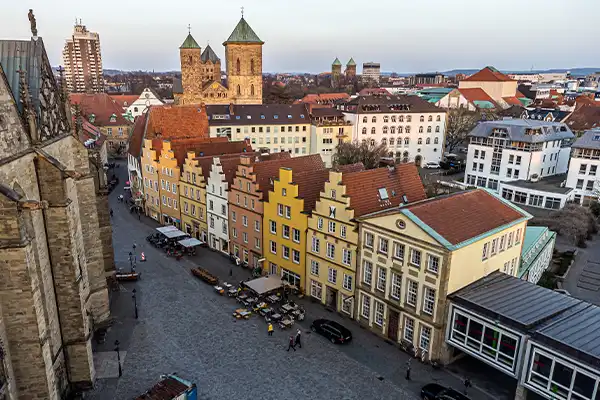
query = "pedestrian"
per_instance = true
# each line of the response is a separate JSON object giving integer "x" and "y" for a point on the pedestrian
{"x": 111, "y": 212}
{"x": 291, "y": 344}
{"x": 408, "y": 370}
{"x": 270, "y": 329}
{"x": 298, "y": 342}
{"x": 139, "y": 216}
{"x": 230, "y": 271}
{"x": 134, "y": 246}
{"x": 467, "y": 385}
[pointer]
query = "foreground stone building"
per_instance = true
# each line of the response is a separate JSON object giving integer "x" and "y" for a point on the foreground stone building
{"x": 55, "y": 246}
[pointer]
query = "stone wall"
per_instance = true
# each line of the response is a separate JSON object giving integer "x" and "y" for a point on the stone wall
{"x": 14, "y": 138}
{"x": 246, "y": 53}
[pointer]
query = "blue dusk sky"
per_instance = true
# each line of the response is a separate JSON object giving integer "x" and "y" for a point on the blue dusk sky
{"x": 306, "y": 36}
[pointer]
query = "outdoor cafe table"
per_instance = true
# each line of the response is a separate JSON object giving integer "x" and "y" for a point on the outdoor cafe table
{"x": 266, "y": 311}
{"x": 227, "y": 285}
{"x": 242, "y": 297}
{"x": 242, "y": 313}
{"x": 273, "y": 298}
{"x": 232, "y": 290}
{"x": 276, "y": 317}
{"x": 288, "y": 308}
{"x": 286, "y": 323}
{"x": 298, "y": 314}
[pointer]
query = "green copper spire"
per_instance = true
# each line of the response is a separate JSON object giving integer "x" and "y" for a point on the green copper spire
{"x": 243, "y": 34}
{"x": 189, "y": 43}
{"x": 337, "y": 61}
{"x": 351, "y": 63}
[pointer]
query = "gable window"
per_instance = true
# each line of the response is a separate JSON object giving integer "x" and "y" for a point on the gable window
{"x": 320, "y": 223}
{"x": 343, "y": 231}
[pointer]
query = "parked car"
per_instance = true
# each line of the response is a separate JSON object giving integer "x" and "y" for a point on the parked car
{"x": 332, "y": 330}
{"x": 434, "y": 391}
{"x": 431, "y": 165}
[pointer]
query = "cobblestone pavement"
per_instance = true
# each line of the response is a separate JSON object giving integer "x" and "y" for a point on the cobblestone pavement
{"x": 185, "y": 327}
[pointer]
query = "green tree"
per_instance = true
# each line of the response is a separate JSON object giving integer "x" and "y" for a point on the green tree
{"x": 368, "y": 153}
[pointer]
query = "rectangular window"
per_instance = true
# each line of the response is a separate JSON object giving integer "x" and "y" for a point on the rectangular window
{"x": 245, "y": 237}
{"x": 409, "y": 329}
{"x": 332, "y": 275}
{"x": 257, "y": 226}
{"x": 383, "y": 245}
{"x": 320, "y": 223}
{"x": 369, "y": 238}
{"x": 288, "y": 212}
{"x": 234, "y": 233}
{"x": 257, "y": 243}
{"x": 285, "y": 252}
{"x": 367, "y": 272}
{"x": 365, "y": 311}
{"x": 314, "y": 267}
{"x": 425, "y": 338}
{"x": 415, "y": 257}
{"x": 174, "y": 189}
{"x": 593, "y": 169}
{"x": 296, "y": 235}
{"x": 396, "y": 286}
{"x": 316, "y": 289}
{"x": 347, "y": 282}
{"x": 518, "y": 236}
{"x": 331, "y": 227}
{"x": 346, "y": 256}
{"x": 433, "y": 263}
{"x": 484, "y": 253}
{"x": 223, "y": 209}
{"x": 412, "y": 292}
{"x": 429, "y": 300}
{"x": 494, "y": 247}
{"x": 330, "y": 250}
{"x": 273, "y": 247}
{"x": 343, "y": 231}
{"x": 280, "y": 210}
{"x": 583, "y": 169}
{"x": 502, "y": 244}
{"x": 233, "y": 216}
{"x": 272, "y": 226}
{"x": 379, "y": 310}
{"x": 296, "y": 256}
{"x": 398, "y": 251}
{"x": 286, "y": 232}
{"x": 316, "y": 244}
{"x": 509, "y": 242}
{"x": 381, "y": 278}
{"x": 244, "y": 220}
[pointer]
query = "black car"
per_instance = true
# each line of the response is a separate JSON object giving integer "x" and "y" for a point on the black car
{"x": 433, "y": 391}
{"x": 332, "y": 330}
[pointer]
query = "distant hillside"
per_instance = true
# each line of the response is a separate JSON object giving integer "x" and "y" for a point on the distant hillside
{"x": 574, "y": 71}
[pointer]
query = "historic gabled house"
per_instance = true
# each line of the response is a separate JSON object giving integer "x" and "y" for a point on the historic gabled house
{"x": 55, "y": 255}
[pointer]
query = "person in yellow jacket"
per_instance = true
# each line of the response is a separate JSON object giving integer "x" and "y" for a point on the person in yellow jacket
{"x": 270, "y": 329}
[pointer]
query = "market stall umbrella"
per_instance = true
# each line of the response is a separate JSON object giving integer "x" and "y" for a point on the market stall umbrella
{"x": 172, "y": 234}
{"x": 190, "y": 242}
{"x": 264, "y": 284}
{"x": 167, "y": 228}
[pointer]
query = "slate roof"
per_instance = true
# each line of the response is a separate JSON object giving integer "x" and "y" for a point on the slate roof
{"x": 257, "y": 114}
{"x": 336, "y": 62}
{"x": 541, "y": 113}
{"x": 137, "y": 136}
{"x": 387, "y": 103}
{"x": 171, "y": 122}
{"x": 268, "y": 170}
{"x": 363, "y": 188}
{"x": 102, "y": 106}
{"x": 167, "y": 389}
{"x": 209, "y": 54}
{"x": 243, "y": 34}
{"x": 452, "y": 216}
{"x": 323, "y": 112}
{"x": 189, "y": 43}
{"x": 516, "y": 129}
{"x": 589, "y": 140}
{"x": 488, "y": 74}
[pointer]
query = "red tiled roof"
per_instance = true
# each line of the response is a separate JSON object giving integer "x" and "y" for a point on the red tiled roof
{"x": 101, "y": 105}
{"x": 585, "y": 116}
{"x": 310, "y": 185}
{"x": 356, "y": 167}
{"x": 167, "y": 389}
{"x": 137, "y": 136}
{"x": 520, "y": 95}
{"x": 207, "y": 147}
{"x": 171, "y": 122}
{"x": 206, "y": 162}
{"x": 363, "y": 188}
{"x": 267, "y": 170}
{"x": 512, "y": 100}
{"x": 89, "y": 131}
{"x": 464, "y": 215}
{"x": 321, "y": 98}
{"x": 476, "y": 94}
{"x": 370, "y": 91}
{"x": 124, "y": 100}
{"x": 488, "y": 74}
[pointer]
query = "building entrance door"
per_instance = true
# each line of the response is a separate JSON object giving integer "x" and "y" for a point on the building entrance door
{"x": 393, "y": 325}
{"x": 331, "y": 300}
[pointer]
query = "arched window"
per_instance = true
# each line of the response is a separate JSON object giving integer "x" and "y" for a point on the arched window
{"x": 407, "y": 129}
{"x": 420, "y": 141}
{"x": 385, "y": 119}
{"x": 401, "y": 118}
{"x": 384, "y": 141}
{"x": 428, "y": 141}
{"x": 374, "y": 119}
{"x": 429, "y": 129}
{"x": 430, "y": 118}
{"x": 399, "y": 129}
{"x": 372, "y": 142}
{"x": 237, "y": 66}
{"x": 391, "y": 141}
{"x": 239, "y": 90}
{"x": 372, "y": 131}
{"x": 190, "y": 59}
{"x": 435, "y": 140}
{"x": 364, "y": 131}
{"x": 420, "y": 129}
{"x": 251, "y": 90}
{"x": 437, "y": 128}
{"x": 392, "y": 129}
{"x": 422, "y": 119}
{"x": 364, "y": 120}
{"x": 406, "y": 141}
{"x": 385, "y": 129}
{"x": 438, "y": 119}
{"x": 252, "y": 66}
{"x": 408, "y": 118}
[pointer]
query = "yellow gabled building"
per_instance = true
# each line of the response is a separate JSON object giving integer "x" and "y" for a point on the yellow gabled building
{"x": 290, "y": 202}
{"x": 332, "y": 236}
{"x": 192, "y": 198}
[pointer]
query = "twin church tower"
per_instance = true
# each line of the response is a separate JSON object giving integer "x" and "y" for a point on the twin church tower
{"x": 201, "y": 70}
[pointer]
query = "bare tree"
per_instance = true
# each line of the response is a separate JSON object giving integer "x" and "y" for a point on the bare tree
{"x": 574, "y": 222}
{"x": 460, "y": 122}
{"x": 368, "y": 153}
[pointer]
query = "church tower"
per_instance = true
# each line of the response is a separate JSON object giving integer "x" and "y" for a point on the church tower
{"x": 336, "y": 72}
{"x": 243, "y": 54}
{"x": 191, "y": 69}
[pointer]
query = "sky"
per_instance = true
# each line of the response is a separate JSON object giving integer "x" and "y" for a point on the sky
{"x": 403, "y": 35}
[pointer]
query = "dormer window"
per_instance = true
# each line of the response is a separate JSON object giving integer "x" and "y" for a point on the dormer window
{"x": 238, "y": 117}
{"x": 383, "y": 194}
{"x": 262, "y": 116}
{"x": 275, "y": 116}
{"x": 249, "y": 116}
{"x": 289, "y": 116}
{"x": 302, "y": 116}
{"x": 113, "y": 118}
{"x": 92, "y": 118}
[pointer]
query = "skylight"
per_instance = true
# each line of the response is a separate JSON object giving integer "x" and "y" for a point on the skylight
{"x": 238, "y": 117}
{"x": 383, "y": 194}
{"x": 289, "y": 116}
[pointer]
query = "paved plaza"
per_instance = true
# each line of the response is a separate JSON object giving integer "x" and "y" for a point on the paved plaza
{"x": 184, "y": 327}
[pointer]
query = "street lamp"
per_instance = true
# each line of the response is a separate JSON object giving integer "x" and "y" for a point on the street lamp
{"x": 118, "y": 357}
{"x": 135, "y": 304}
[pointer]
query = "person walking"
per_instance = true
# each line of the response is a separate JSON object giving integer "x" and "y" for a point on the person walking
{"x": 467, "y": 384}
{"x": 298, "y": 342}
{"x": 408, "y": 369}
{"x": 291, "y": 344}
{"x": 270, "y": 329}
{"x": 111, "y": 212}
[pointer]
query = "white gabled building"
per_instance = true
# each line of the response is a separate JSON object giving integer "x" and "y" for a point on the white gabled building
{"x": 147, "y": 99}
{"x": 583, "y": 167}
{"x": 411, "y": 128}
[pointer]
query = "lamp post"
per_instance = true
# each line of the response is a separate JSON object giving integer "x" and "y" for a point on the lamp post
{"x": 118, "y": 357}
{"x": 135, "y": 304}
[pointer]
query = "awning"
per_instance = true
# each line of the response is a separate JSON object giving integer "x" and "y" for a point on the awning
{"x": 265, "y": 284}
{"x": 174, "y": 234}
{"x": 167, "y": 228}
{"x": 190, "y": 242}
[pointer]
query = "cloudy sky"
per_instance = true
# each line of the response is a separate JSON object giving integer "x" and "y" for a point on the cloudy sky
{"x": 403, "y": 35}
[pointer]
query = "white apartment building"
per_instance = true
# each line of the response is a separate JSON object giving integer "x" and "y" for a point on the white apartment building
{"x": 328, "y": 128}
{"x": 269, "y": 127}
{"x": 583, "y": 167}
{"x": 412, "y": 128}
{"x": 220, "y": 177}
{"x": 371, "y": 71}
{"x": 82, "y": 61}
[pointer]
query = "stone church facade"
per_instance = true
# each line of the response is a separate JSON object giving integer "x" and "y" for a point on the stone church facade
{"x": 56, "y": 252}
{"x": 201, "y": 70}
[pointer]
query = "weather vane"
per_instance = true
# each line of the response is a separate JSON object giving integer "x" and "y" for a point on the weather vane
{"x": 189, "y": 28}
{"x": 242, "y": 12}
